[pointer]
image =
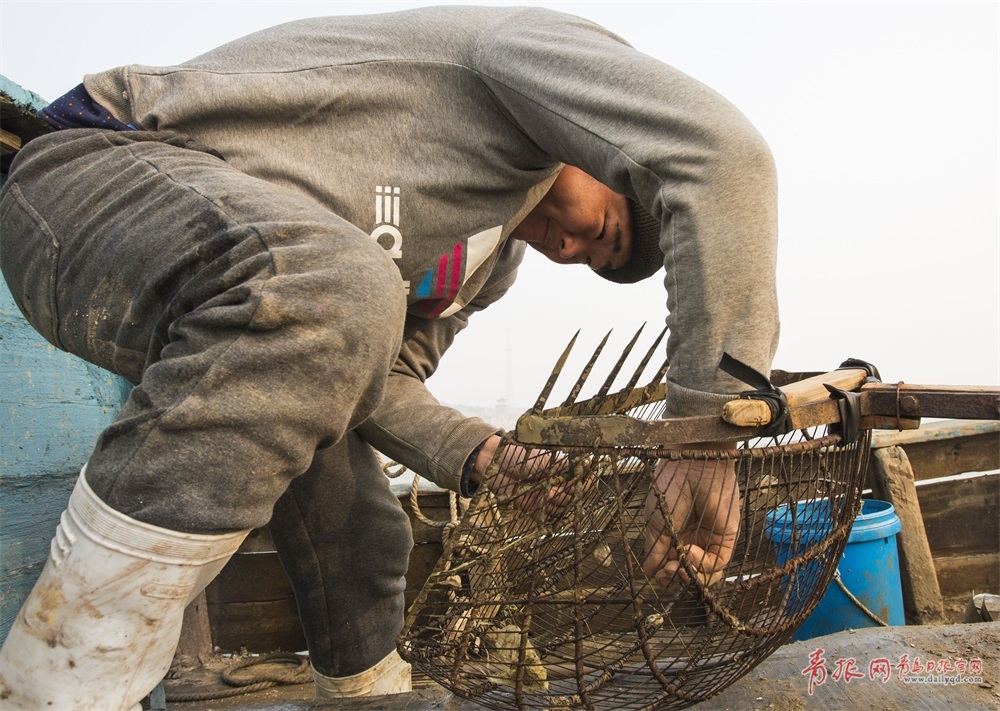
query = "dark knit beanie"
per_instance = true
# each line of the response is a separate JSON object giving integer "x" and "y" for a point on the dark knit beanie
{"x": 646, "y": 259}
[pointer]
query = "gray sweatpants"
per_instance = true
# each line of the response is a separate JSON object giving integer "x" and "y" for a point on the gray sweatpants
{"x": 258, "y": 329}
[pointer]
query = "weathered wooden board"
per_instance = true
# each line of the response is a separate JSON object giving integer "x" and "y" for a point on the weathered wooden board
{"x": 962, "y": 516}
{"x": 195, "y": 644}
{"x": 9, "y": 142}
{"x": 947, "y": 447}
{"x": 971, "y": 454}
{"x": 17, "y": 114}
{"x": 53, "y": 403}
{"x": 29, "y": 513}
{"x": 960, "y": 576}
{"x": 251, "y": 605}
{"x": 423, "y": 558}
{"x": 893, "y": 482}
{"x": 434, "y": 505}
{"x": 780, "y": 682}
{"x": 256, "y": 626}
{"x": 250, "y": 577}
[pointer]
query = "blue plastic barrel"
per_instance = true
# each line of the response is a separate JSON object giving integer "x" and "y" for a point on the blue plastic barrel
{"x": 869, "y": 568}
{"x": 793, "y": 529}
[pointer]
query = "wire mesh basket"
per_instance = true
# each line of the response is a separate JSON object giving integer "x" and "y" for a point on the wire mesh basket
{"x": 573, "y": 584}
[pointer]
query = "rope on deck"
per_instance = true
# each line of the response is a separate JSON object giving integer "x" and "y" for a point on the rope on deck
{"x": 249, "y": 681}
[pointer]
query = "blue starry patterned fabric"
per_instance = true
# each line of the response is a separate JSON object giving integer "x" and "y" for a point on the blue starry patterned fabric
{"x": 77, "y": 109}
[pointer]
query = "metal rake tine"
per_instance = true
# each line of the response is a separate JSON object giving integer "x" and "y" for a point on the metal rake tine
{"x": 638, "y": 371}
{"x": 578, "y": 385}
{"x": 598, "y": 399}
{"x": 544, "y": 395}
{"x": 651, "y": 387}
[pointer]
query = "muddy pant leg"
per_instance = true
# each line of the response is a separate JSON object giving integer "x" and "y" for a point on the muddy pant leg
{"x": 257, "y": 325}
{"x": 345, "y": 541}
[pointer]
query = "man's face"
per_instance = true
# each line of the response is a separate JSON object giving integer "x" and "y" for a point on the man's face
{"x": 580, "y": 221}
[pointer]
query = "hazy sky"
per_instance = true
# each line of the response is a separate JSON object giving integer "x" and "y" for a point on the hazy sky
{"x": 883, "y": 118}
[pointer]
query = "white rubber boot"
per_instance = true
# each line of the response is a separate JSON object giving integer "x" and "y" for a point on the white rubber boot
{"x": 390, "y": 676}
{"x": 100, "y": 627}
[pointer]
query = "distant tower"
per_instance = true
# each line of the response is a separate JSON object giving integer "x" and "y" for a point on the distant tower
{"x": 509, "y": 374}
{"x": 504, "y": 400}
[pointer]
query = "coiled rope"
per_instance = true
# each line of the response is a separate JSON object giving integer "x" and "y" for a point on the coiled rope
{"x": 293, "y": 669}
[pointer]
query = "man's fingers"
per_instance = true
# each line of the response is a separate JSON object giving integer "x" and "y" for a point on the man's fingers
{"x": 659, "y": 552}
{"x": 531, "y": 471}
{"x": 560, "y": 496}
{"x": 707, "y": 566}
{"x": 702, "y": 500}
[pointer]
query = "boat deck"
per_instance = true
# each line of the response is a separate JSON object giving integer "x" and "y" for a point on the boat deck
{"x": 780, "y": 683}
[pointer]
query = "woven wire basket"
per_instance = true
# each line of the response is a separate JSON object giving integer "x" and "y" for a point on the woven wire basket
{"x": 553, "y": 604}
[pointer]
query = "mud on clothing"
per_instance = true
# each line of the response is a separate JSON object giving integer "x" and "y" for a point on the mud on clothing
{"x": 281, "y": 309}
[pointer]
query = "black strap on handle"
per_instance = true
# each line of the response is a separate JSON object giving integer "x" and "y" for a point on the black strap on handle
{"x": 849, "y": 403}
{"x": 873, "y": 374}
{"x": 849, "y": 406}
{"x": 764, "y": 391}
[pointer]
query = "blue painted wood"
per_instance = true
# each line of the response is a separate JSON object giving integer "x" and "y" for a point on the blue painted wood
{"x": 52, "y": 407}
{"x": 21, "y": 96}
{"x": 29, "y": 512}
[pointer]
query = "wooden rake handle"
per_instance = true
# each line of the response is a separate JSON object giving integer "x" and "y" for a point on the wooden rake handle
{"x": 756, "y": 413}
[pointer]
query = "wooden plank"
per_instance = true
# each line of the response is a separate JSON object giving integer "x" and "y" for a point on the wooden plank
{"x": 965, "y": 401}
{"x": 962, "y": 516}
{"x": 949, "y": 447}
{"x": 933, "y": 460}
{"x": 30, "y": 504}
{"x": 9, "y": 142}
{"x": 18, "y": 108}
{"x": 621, "y": 431}
{"x": 880, "y": 422}
{"x": 257, "y": 626}
{"x": 30, "y": 507}
{"x": 250, "y": 577}
{"x": 942, "y": 429}
{"x": 893, "y": 481}
{"x": 250, "y": 604}
{"x": 435, "y": 506}
{"x": 963, "y": 575}
{"x": 53, "y": 405}
{"x": 942, "y": 458}
{"x": 194, "y": 648}
{"x": 423, "y": 559}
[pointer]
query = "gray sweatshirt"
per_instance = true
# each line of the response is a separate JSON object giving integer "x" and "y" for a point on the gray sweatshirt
{"x": 435, "y": 131}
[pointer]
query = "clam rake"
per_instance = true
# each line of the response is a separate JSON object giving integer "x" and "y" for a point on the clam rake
{"x": 550, "y": 606}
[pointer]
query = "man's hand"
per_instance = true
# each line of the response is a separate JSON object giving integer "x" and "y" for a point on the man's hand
{"x": 703, "y": 499}
{"x": 517, "y": 465}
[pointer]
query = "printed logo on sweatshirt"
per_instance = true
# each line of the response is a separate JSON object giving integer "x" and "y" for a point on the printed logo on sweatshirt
{"x": 387, "y": 223}
{"x": 439, "y": 287}
{"x": 441, "y": 284}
